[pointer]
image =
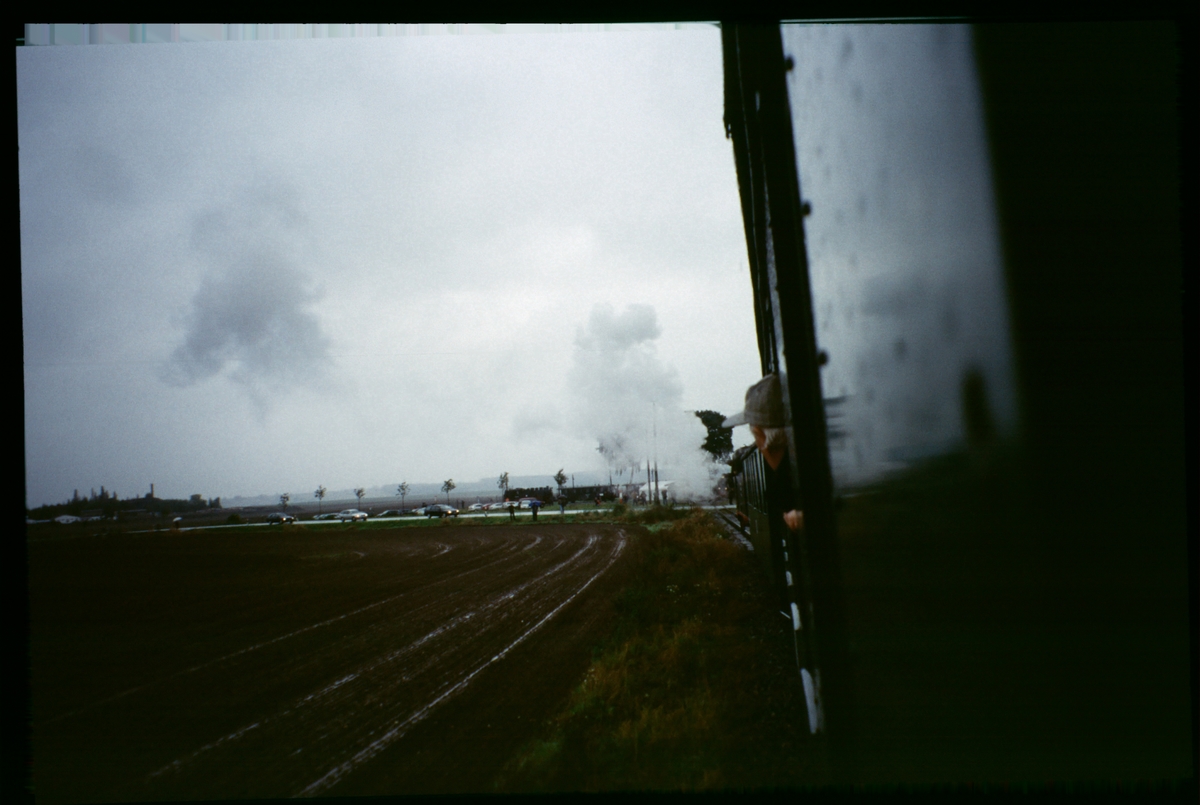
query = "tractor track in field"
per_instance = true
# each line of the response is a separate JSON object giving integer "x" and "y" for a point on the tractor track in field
{"x": 297, "y": 665}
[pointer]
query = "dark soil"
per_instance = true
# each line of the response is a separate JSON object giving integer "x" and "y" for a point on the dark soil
{"x": 263, "y": 665}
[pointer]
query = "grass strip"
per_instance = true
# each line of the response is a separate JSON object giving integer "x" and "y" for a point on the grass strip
{"x": 695, "y": 688}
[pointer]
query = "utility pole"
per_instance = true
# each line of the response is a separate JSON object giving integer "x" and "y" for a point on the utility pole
{"x": 657, "y": 492}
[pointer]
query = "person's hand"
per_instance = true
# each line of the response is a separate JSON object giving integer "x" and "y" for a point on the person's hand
{"x": 794, "y": 519}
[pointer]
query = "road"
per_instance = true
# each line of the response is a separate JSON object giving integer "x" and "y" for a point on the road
{"x": 306, "y": 662}
{"x": 548, "y": 511}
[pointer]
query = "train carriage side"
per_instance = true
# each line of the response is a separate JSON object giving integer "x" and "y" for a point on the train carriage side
{"x": 966, "y": 255}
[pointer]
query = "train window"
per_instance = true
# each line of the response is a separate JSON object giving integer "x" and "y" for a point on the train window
{"x": 902, "y": 238}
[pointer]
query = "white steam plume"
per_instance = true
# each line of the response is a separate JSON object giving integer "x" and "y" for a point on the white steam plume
{"x": 631, "y": 404}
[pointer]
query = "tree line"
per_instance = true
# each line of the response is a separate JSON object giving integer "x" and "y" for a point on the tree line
{"x": 109, "y": 505}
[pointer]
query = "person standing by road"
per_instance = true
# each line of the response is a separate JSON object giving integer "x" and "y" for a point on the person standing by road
{"x": 512, "y": 510}
{"x": 534, "y": 505}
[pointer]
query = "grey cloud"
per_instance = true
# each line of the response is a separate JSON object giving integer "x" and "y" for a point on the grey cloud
{"x": 252, "y": 319}
{"x": 268, "y": 211}
{"x": 252, "y": 316}
{"x": 537, "y": 420}
{"x": 103, "y": 176}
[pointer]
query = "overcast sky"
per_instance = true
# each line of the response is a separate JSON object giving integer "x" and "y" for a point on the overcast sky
{"x": 259, "y": 267}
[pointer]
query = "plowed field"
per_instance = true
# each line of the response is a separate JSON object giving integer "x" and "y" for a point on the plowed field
{"x": 305, "y": 662}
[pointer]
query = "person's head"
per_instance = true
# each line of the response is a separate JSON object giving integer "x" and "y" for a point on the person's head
{"x": 763, "y": 412}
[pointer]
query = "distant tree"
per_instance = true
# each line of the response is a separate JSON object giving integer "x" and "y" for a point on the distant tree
{"x": 358, "y": 493}
{"x": 402, "y": 491}
{"x": 503, "y": 483}
{"x": 560, "y": 478}
{"x": 283, "y": 500}
{"x": 719, "y": 442}
{"x": 320, "y": 496}
{"x": 197, "y": 499}
{"x": 447, "y": 487}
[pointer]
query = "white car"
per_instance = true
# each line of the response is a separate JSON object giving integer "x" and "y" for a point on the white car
{"x": 476, "y": 507}
{"x": 352, "y": 515}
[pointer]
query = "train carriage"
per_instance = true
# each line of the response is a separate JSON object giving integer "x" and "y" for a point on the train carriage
{"x": 965, "y": 249}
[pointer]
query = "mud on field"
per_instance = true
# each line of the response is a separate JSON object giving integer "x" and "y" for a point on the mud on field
{"x": 296, "y": 662}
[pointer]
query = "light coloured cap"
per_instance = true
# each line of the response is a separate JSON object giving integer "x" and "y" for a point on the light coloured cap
{"x": 764, "y": 406}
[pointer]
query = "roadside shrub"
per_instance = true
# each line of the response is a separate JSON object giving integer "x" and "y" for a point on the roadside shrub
{"x": 234, "y": 519}
{"x": 659, "y": 513}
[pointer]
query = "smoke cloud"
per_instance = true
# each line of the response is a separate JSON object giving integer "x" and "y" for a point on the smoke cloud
{"x": 251, "y": 318}
{"x": 631, "y": 404}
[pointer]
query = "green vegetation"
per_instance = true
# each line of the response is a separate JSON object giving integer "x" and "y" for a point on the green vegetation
{"x": 692, "y": 691}
{"x": 719, "y": 441}
{"x": 662, "y": 513}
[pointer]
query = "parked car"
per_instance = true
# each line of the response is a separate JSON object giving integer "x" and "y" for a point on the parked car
{"x": 280, "y": 518}
{"x": 440, "y": 510}
{"x": 389, "y": 513}
{"x": 476, "y": 507}
{"x": 353, "y": 515}
{"x": 502, "y": 505}
{"x": 329, "y": 516}
{"x": 528, "y": 502}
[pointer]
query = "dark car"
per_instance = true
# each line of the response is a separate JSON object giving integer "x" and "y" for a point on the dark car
{"x": 440, "y": 510}
{"x": 280, "y": 517}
